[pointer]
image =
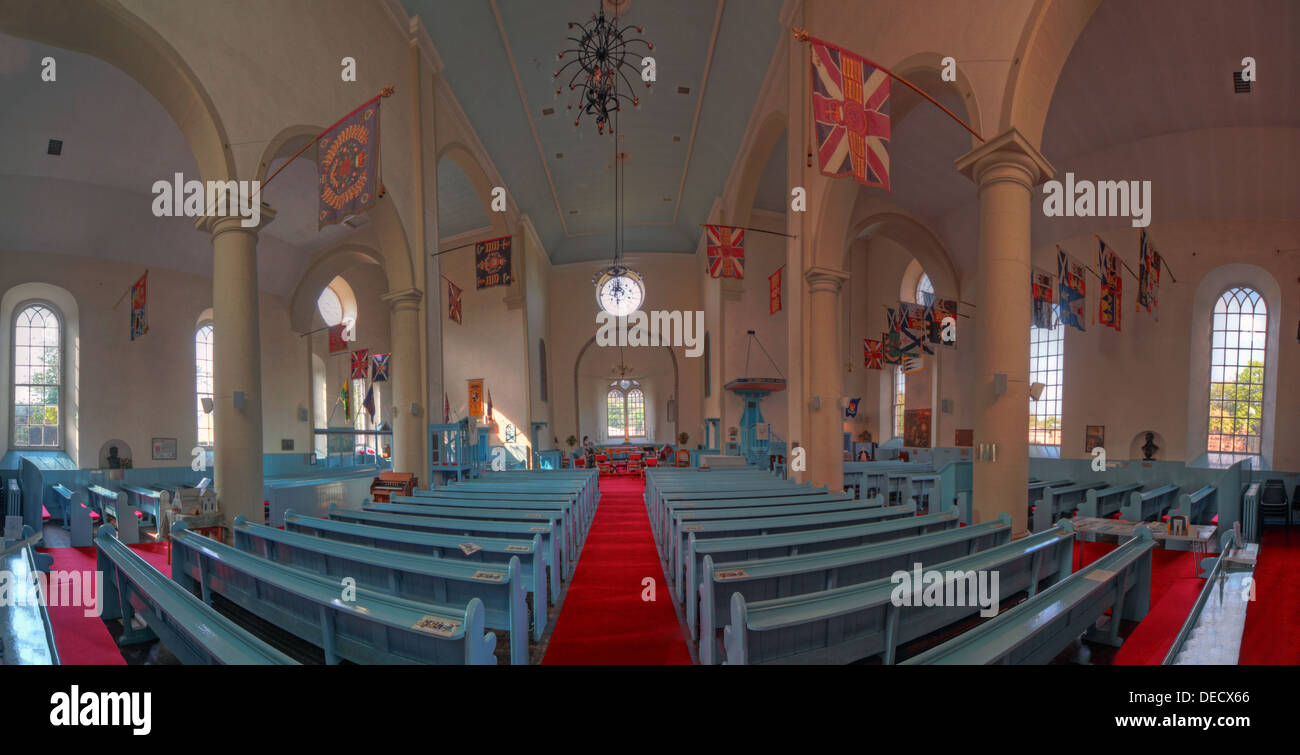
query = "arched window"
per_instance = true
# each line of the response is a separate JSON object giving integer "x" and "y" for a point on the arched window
{"x": 924, "y": 290}
{"x": 625, "y": 410}
{"x": 1238, "y": 344}
{"x": 1046, "y": 366}
{"x": 331, "y": 308}
{"x": 900, "y": 400}
{"x": 203, "y": 382}
{"x": 38, "y": 377}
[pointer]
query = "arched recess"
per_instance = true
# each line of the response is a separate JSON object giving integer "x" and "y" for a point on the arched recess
{"x": 1049, "y": 35}
{"x": 769, "y": 133}
{"x": 106, "y": 30}
{"x": 879, "y": 219}
{"x": 577, "y": 382}
{"x": 70, "y": 320}
{"x": 1207, "y": 295}
{"x": 323, "y": 268}
{"x": 483, "y": 185}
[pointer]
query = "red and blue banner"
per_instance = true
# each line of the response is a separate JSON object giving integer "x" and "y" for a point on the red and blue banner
{"x": 873, "y": 354}
{"x": 1073, "y": 288}
{"x": 726, "y": 248}
{"x": 453, "y": 302}
{"x": 492, "y": 263}
{"x": 347, "y": 160}
{"x": 1112, "y": 287}
{"x": 850, "y": 107}
{"x": 1148, "y": 274}
{"x": 379, "y": 367}
{"x": 139, "y": 316}
{"x": 360, "y": 364}
{"x": 1042, "y": 298}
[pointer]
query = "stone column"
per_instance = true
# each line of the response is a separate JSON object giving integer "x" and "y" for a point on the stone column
{"x": 1005, "y": 169}
{"x": 408, "y": 428}
{"x": 237, "y": 364}
{"x": 825, "y": 378}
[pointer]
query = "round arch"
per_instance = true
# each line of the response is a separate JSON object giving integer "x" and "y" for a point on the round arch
{"x": 106, "y": 30}
{"x": 464, "y": 158}
{"x": 1050, "y": 33}
{"x": 881, "y": 219}
{"x": 323, "y": 269}
{"x": 769, "y": 133}
{"x": 577, "y": 399}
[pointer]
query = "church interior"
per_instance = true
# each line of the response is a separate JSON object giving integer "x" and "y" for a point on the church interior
{"x": 671, "y": 332}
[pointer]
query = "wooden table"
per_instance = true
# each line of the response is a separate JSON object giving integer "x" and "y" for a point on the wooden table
{"x": 1104, "y": 530}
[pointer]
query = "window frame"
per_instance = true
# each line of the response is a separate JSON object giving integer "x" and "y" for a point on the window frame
{"x": 625, "y": 395}
{"x": 1222, "y": 458}
{"x": 899, "y": 406}
{"x": 13, "y": 374}
{"x": 198, "y": 425}
{"x": 1056, "y": 335}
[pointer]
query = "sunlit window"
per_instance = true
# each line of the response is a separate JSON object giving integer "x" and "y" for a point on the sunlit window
{"x": 900, "y": 400}
{"x": 38, "y": 378}
{"x": 1238, "y": 339}
{"x": 1046, "y": 366}
{"x": 203, "y": 383}
{"x": 625, "y": 410}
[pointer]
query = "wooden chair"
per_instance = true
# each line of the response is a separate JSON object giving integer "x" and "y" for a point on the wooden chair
{"x": 683, "y": 458}
{"x": 634, "y": 465}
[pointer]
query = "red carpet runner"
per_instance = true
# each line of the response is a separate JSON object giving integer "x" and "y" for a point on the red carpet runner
{"x": 604, "y": 621}
{"x": 1272, "y": 634}
{"x": 84, "y": 640}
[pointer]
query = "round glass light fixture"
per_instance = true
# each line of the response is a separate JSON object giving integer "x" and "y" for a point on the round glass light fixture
{"x": 620, "y": 291}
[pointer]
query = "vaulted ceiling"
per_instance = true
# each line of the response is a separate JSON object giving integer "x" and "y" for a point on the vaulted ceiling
{"x": 500, "y": 57}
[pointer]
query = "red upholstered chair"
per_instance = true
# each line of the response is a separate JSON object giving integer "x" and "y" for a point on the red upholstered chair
{"x": 683, "y": 458}
{"x": 579, "y": 462}
{"x": 652, "y": 462}
{"x": 634, "y": 465}
{"x": 602, "y": 463}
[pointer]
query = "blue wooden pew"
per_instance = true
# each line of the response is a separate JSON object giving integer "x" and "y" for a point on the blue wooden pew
{"x": 793, "y": 543}
{"x": 1060, "y": 502}
{"x": 583, "y": 506}
{"x": 552, "y": 547}
{"x": 772, "y": 525}
{"x": 769, "y": 488}
{"x": 26, "y": 634}
{"x": 1104, "y": 502}
{"x": 61, "y": 497}
{"x": 1038, "y": 487}
{"x": 560, "y": 524}
{"x": 479, "y": 550}
{"x": 845, "y": 624}
{"x": 407, "y": 575}
{"x": 1149, "y": 505}
{"x": 570, "y": 509}
{"x": 1197, "y": 505}
{"x": 1041, "y": 628}
{"x": 111, "y": 506}
{"x": 144, "y": 499}
{"x": 374, "y": 628}
{"x": 771, "y": 579}
{"x": 192, "y": 630}
{"x": 674, "y": 506}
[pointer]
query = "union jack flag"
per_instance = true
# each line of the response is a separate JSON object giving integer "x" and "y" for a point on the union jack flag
{"x": 360, "y": 364}
{"x": 726, "y": 247}
{"x": 453, "y": 301}
{"x": 851, "y": 109}
{"x": 873, "y": 354}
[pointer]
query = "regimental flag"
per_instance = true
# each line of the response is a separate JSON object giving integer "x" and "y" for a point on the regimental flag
{"x": 347, "y": 159}
{"x": 1112, "y": 287}
{"x": 726, "y": 247}
{"x": 369, "y": 403}
{"x": 476, "y": 397}
{"x": 774, "y": 292}
{"x": 891, "y": 340}
{"x": 345, "y": 398}
{"x": 1148, "y": 275}
{"x": 337, "y": 343}
{"x": 852, "y": 409}
{"x": 941, "y": 309}
{"x": 360, "y": 364}
{"x": 139, "y": 316}
{"x": 446, "y": 408}
{"x": 453, "y": 302}
{"x": 913, "y": 364}
{"x": 379, "y": 367}
{"x": 913, "y": 328}
{"x": 851, "y": 108}
{"x": 489, "y": 408}
{"x": 1042, "y": 298}
{"x": 1073, "y": 288}
{"x": 873, "y": 354}
{"x": 492, "y": 263}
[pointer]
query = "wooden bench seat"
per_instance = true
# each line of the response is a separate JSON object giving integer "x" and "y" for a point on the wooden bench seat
{"x": 1149, "y": 505}
{"x": 562, "y": 518}
{"x": 1107, "y": 501}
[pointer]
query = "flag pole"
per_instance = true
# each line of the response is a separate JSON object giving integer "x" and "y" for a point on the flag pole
{"x": 803, "y": 36}
{"x": 128, "y": 290}
{"x": 1121, "y": 260}
{"x": 747, "y": 228}
{"x": 387, "y": 92}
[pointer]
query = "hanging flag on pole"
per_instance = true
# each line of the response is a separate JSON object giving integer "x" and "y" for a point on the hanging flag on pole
{"x": 1073, "y": 288}
{"x": 850, "y": 109}
{"x": 1112, "y": 287}
{"x": 892, "y": 339}
{"x": 369, "y": 403}
{"x": 941, "y": 309}
{"x": 1148, "y": 275}
{"x": 852, "y": 409}
{"x": 873, "y": 355}
{"x": 139, "y": 316}
{"x": 774, "y": 291}
{"x": 913, "y": 329}
{"x": 347, "y": 159}
{"x": 489, "y": 407}
{"x": 446, "y": 408}
{"x": 726, "y": 248}
{"x": 1042, "y": 298}
{"x": 379, "y": 367}
{"x": 345, "y": 398}
{"x": 453, "y": 302}
{"x": 360, "y": 364}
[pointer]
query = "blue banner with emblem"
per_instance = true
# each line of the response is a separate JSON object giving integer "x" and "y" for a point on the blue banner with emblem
{"x": 347, "y": 160}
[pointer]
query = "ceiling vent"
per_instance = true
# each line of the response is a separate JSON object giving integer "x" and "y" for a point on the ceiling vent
{"x": 573, "y": 212}
{"x": 559, "y": 155}
{"x": 676, "y": 138}
{"x": 55, "y": 147}
{"x": 548, "y": 111}
{"x": 683, "y": 90}
{"x": 356, "y": 221}
{"x": 1240, "y": 85}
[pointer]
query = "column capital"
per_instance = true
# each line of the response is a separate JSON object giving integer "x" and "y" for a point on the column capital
{"x": 406, "y": 298}
{"x": 825, "y": 279}
{"x": 219, "y": 224}
{"x": 1008, "y": 156}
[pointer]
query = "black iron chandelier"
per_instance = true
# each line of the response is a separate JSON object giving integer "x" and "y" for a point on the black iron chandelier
{"x": 601, "y": 55}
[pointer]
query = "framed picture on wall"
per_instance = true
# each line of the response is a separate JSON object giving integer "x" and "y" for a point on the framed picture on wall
{"x": 916, "y": 428}
{"x": 1094, "y": 437}
{"x": 164, "y": 449}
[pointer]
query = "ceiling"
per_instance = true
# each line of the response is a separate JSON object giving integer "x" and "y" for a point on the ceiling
{"x": 500, "y": 57}
{"x": 95, "y": 198}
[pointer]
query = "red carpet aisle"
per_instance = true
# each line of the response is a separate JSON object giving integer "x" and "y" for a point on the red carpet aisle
{"x": 84, "y": 640}
{"x": 1272, "y": 633}
{"x": 1173, "y": 593}
{"x": 603, "y": 620}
